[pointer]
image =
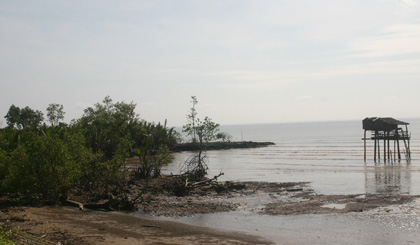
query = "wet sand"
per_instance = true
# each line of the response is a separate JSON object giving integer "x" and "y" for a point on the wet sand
{"x": 264, "y": 213}
{"x": 69, "y": 225}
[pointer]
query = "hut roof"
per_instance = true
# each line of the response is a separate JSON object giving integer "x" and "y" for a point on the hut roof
{"x": 381, "y": 123}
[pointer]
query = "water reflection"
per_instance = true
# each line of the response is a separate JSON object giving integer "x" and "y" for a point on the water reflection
{"x": 386, "y": 178}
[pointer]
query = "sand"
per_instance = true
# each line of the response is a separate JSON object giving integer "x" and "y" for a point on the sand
{"x": 285, "y": 213}
{"x": 68, "y": 225}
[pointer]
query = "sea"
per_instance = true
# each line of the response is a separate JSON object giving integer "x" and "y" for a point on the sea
{"x": 328, "y": 155}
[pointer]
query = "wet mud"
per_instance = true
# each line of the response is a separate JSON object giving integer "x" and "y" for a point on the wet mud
{"x": 68, "y": 225}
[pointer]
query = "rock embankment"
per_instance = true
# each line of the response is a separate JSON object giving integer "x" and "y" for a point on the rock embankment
{"x": 221, "y": 145}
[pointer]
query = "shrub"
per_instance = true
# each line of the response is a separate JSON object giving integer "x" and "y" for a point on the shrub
{"x": 46, "y": 166}
{"x": 151, "y": 162}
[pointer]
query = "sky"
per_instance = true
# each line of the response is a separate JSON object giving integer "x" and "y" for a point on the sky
{"x": 247, "y": 62}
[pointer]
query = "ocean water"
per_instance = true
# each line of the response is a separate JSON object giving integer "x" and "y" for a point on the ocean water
{"x": 329, "y": 155}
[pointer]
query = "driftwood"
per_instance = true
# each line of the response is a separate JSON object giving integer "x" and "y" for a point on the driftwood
{"x": 75, "y": 204}
{"x": 111, "y": 205}
{"x": 206, "y": 184}
{"x": 202, "y": 183}
{"x": 183, "y": 185}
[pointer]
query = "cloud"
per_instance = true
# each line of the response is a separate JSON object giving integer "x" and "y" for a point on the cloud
{"x": 254, "y": 79}
{"x": 254, "y": 53}
{"x": 148, "y": 103}
{"x": 391, "y": 41}
{"x": 209, "y": 105}
{"x": 304, "y": 97}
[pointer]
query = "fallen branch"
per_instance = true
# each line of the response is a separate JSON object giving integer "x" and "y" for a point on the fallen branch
{"x": 75, "y": 204}
{"x": 205, "y": 182}
{"x": 109, "y": 205}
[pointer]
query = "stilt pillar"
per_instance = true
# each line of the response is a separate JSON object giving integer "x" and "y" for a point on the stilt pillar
{"x": 364, "y": 139}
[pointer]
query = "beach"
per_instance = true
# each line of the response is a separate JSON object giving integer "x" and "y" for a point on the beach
{"x": 260, "y": 213}
{"x": 312, "y": 186}
{"x": 67, "y": 225}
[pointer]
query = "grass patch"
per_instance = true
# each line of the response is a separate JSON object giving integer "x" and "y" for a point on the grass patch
{"x": 5, "y": 237}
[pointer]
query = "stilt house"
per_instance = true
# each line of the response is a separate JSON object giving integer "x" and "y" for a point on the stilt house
{"x": 387, "y": 129}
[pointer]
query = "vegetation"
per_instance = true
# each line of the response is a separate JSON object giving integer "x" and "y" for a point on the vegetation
{"x": 152, "y": 160}
{"x": 23, "y": 118}
{"x": 225, "y": 137}
{"x": 206, "y": 131}
{"x": 5, "y": 237}
{"x": 44, "y": 163}
{"x": 55, "y": 113}
{"x": 191, "y": 117}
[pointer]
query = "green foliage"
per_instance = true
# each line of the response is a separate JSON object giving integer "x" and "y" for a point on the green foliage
{"x": 206, "y": 131}
{"x": 13, "y": 117}
{"x": 45, "y": 166}
{"x": 223, "y": 137}
{"x": 47, "y": 162}
{"x": 106, "y": 177}
{"x": 22, "y": 118}
{"x": 5, "y": 237}
{"x": 151, "y": 160}
{"x": 115, "y": 128}
{"x": 3, "y": 166}
{"x": 107, "y": 127}
{"x": 191, "y": 117}
{"x": 9, "y": 138}
{"x": 158, "y": 134}
{"x": 55, "y": 113}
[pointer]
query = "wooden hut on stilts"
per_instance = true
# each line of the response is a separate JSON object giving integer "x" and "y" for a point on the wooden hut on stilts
{"x": 386, "y": 130}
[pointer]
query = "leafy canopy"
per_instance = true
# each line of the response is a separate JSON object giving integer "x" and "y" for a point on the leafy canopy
{"x": 22, "y": 118}
{"x": 55, "y": 113}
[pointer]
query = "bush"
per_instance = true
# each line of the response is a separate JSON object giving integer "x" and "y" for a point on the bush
{"x": 151, "y": 161}
{"x": 45, "y": 166}
{"x": 46, "y": 163}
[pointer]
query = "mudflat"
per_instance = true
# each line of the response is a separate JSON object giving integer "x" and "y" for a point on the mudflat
{"x": 69, "y": 225}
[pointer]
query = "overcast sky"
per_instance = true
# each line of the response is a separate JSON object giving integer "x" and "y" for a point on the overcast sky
{"x": 246, "y": 61}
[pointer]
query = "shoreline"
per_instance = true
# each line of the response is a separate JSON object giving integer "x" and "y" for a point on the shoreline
{"x": 68, "y": 225}
{"x": 264, "y": 213}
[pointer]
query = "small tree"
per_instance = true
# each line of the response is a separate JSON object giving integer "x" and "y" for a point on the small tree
{"x": 13, "y": 117}
{"x": 191, "y": 117}
{"x": 151, "y": 160}
{"x": 55, "y": 113}
{"x": 205, "y": 131}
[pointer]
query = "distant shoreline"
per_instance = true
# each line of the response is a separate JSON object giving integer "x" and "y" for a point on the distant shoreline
{"x": 221, "y": 145}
